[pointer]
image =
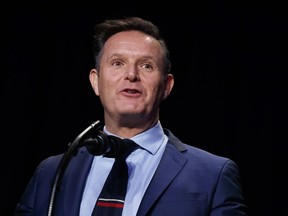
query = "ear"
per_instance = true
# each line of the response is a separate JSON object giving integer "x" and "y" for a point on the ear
{"x": 93, "y": 77}
{"x": 169, "y": 85}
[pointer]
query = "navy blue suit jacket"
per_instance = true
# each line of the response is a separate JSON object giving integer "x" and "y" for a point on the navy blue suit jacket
{"x": 188, "y": 181}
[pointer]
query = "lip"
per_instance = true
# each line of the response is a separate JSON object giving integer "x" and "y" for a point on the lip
{"x": 131, "y": 92}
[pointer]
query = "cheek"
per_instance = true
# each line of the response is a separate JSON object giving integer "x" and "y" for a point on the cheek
{"x": 156, "y": 90}
{"x": 106, "y": 86}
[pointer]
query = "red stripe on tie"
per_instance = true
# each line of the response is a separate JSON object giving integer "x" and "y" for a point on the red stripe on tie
{"x": 112, "y": 205}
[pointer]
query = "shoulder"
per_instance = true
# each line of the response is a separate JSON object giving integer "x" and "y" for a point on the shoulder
{"x": 195, "y": 155}
{"x": 53, "y": 161}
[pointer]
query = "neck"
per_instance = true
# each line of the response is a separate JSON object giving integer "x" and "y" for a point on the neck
{"x": 128, "y": 130}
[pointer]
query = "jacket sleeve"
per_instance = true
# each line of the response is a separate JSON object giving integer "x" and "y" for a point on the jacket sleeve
{"x": 37, "y": 193}
{"x": 228, "y": 198}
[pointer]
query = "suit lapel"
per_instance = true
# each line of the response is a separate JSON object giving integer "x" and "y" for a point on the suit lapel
{"x": 75, "y": 182}
{"x": 170, "y": 165}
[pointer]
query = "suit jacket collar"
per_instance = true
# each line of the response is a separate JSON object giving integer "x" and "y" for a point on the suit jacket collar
{"x": 169, "y": 167}
{"x": 75, "y": 181}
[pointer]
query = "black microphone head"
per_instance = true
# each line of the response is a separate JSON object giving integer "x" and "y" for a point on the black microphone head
{"x": 97, "y": 145}
{"x": 102, "y": 144}
{"x": 116, "y": 145}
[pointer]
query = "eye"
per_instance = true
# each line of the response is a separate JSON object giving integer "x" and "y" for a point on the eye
{"x": 117, "y": 63}
{"x": 147, "y": 66}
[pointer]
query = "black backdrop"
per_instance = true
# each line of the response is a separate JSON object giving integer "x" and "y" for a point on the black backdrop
{"x": 230, "y": 95}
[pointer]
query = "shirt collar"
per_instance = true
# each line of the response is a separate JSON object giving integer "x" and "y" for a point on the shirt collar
{"x": 151, "y": 139}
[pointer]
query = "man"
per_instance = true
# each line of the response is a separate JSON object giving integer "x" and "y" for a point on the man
{"x": 166, "y": 177}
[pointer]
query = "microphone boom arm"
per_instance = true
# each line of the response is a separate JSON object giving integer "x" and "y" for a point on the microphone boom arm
{"x": 65, "y": 160}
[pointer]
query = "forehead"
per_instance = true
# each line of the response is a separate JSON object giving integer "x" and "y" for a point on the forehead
{"x": 132, "y": 41}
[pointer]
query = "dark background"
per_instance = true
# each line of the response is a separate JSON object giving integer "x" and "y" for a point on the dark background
{"x": 230, "y": 96}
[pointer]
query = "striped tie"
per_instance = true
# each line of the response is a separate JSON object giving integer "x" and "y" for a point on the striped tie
{"x": 111, "y": 199}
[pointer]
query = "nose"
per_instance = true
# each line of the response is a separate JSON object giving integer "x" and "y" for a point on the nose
{"x": 132, "y": 75}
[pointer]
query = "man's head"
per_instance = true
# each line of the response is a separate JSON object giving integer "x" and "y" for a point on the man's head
{"x": 131, "y": 76}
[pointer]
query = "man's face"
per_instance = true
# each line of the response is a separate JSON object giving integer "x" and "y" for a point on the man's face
{"x": 130, "y": 81}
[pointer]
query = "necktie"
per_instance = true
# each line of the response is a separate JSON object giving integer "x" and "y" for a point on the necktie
{"x": 111, "y": 199}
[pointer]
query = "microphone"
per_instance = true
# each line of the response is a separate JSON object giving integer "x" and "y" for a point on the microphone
{"x": 103, "y": 144}
{"x": 98, "y": 144}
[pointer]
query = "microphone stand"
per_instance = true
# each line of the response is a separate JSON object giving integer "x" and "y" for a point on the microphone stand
{"x": 65, "y": 160}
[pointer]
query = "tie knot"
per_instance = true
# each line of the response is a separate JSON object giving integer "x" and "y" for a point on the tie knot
{"x": 129, "y": 147}
{"x": 120, "y": 148}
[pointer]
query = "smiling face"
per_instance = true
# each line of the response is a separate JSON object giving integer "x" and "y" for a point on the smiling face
{"x": 131, "y": 83}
